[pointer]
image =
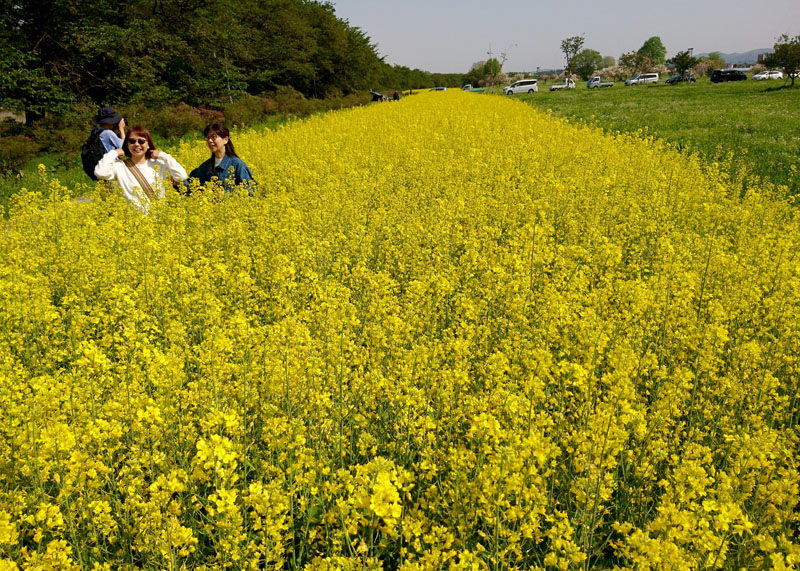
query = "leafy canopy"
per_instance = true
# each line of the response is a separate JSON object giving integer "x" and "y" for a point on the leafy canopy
{"x": 654, "y": 49}
{"x": 683, "y": 61}
{"x": 786, "y": 56}
{"x": 570, "y": 47}
{"x": 586, "y": 62}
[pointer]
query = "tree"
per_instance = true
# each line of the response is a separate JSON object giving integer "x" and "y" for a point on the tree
{"x": 24, "y": 86}
{"x": 635, "y": 62}
{"x": 683, "y": 62}
{"x": 571, "y": 46}
{"x": 786, "y": 56}
{"x": 586, "y": 62}
{"x": 166, "y": 51}
{"x": 708, "y": 64}
{"x": 475, "y": 73}
{"x": 654, "y": 49}
{"x": 609, "y": 61}
{"x": 492, "y": 67}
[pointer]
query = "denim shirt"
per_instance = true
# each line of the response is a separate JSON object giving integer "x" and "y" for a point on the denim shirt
{"x": 230, "y": 172}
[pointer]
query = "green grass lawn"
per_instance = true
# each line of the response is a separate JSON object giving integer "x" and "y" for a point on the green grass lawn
{"x": 757, "y": 121}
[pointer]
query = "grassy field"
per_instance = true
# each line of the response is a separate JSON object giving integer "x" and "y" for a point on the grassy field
{"x": 755, "y": 121}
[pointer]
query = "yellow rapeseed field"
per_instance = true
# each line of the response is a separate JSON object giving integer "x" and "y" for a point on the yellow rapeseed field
{"x": 447, "y": 333}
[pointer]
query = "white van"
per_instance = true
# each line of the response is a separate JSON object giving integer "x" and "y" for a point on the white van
{"x": 642, "y": 78}
{"x": 522, "y": 86}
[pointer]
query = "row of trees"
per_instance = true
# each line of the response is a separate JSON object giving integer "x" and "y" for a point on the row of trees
{"x": 200, "y": 52}
{"x": 585, "y": 62}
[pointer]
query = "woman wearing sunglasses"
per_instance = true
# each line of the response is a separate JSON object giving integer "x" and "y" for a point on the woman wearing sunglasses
{"x": 143, "y": 172}
{"x": 224, "y": 164}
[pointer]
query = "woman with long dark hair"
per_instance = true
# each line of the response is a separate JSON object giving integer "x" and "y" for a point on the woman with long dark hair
{"x": 143, "y": 172}
{"x": 224, "y": 164}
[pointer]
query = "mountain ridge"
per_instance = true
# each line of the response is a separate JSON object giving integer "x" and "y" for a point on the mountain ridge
{"x": 742, "y": 57}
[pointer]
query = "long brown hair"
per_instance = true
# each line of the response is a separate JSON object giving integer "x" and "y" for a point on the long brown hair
{"x": 221, "y": 131}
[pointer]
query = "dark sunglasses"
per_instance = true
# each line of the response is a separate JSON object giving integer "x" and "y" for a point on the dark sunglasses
{"x": 134, "y": 141}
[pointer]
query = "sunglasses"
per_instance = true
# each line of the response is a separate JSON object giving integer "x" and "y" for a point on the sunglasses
{"x": 134, "y": 141}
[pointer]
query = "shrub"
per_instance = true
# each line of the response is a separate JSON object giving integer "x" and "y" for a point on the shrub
{"x": 10, "y": 127}
{"x": 172, "y": 121}
{"x": 289, "y": 100}
{"x": 16, "y": 152}
{"x": 64, "y": 133}
{"x": 249, "y": 109}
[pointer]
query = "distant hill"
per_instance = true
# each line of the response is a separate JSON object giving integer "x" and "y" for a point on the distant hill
{"x": 744, "y": 57}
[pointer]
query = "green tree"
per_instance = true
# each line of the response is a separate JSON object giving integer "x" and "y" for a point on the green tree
{"x": 197, "y": 51}
{"x": 635, "y": 62}
{"x": 654, "y": 49}
{"x": 609, "y": 61}
{"x": 571, "y": 47}
{"x": 475, "y": 73}
{"x": 786, "y": 56}
{"x": 683, "y": 61}
{"x": 26, "y": 87}
{"x": 492, "y": 67}
{"x": 586, "y": 62}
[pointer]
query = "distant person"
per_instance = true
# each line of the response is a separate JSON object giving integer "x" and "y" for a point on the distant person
{"x": 396, "y": 96}
{"x": 143, "y": 173}
{"x": 102, "y": 138}
{"x": 224, "y": 164}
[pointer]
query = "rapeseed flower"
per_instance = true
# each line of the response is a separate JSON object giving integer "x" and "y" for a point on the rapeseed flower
{"x": 447, "y": 333}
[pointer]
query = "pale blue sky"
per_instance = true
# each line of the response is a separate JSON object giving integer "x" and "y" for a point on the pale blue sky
{"x": 449, "y": 35}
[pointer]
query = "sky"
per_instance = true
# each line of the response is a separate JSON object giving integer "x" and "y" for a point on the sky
{"x": 448, "y": 36}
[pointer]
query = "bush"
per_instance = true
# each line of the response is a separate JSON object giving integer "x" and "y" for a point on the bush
{"x": 172, "y": 122}
{"x": 289, "y": 100}
{"x": 64, "y": 133}
{"x": 16, "y": 152}
{"x": 250, "y": 109}
{"x": 10, "y": 127}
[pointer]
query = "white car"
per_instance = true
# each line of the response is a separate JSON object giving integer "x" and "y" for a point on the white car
{"x": 522, "y": 86}
{"x": 768, "y": 75}
{"x": 642, "y": 78}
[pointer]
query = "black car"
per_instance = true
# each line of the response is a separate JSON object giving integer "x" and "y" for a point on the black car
{"x": 677, "y": 78}
{"x": 720, "y": 75}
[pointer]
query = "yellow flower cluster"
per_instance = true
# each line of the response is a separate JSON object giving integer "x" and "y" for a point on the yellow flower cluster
{"x": 446, "y": 333}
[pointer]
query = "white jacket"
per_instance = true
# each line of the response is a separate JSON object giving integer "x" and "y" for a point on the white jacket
{"x": 157, "y": 172}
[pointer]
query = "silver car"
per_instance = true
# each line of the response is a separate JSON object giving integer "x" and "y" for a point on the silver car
{"x": 768, "y": 75}
{"x": 642, "y": 78}
{"x": 522, "y": 86}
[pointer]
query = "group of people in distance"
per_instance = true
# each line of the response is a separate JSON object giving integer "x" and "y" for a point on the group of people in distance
{"x": 141, "y": 172}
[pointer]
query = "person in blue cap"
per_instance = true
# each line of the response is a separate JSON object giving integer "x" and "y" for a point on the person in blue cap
{"x": 108, "y": 120}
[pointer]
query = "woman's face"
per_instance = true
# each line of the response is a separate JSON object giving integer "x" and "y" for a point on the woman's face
{"x": 216, "y": 143}
{"x": 138, "y": 146}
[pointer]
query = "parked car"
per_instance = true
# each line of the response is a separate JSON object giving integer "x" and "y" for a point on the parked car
{"x": 678, "y": 78}
{"x": 566, "y": 84}
{"x": 720, "y": 75}
{"x": 438, "y": 89}
{"x": 597, "y": 82}
{"x": 774, "y": 74}
{"x": 522, "y": 86}
{"x": 467, "y": 87}
{"x": 642, "y": 78}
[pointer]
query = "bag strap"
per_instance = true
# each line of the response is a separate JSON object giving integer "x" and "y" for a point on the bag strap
{"x": 137, "y": 174}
